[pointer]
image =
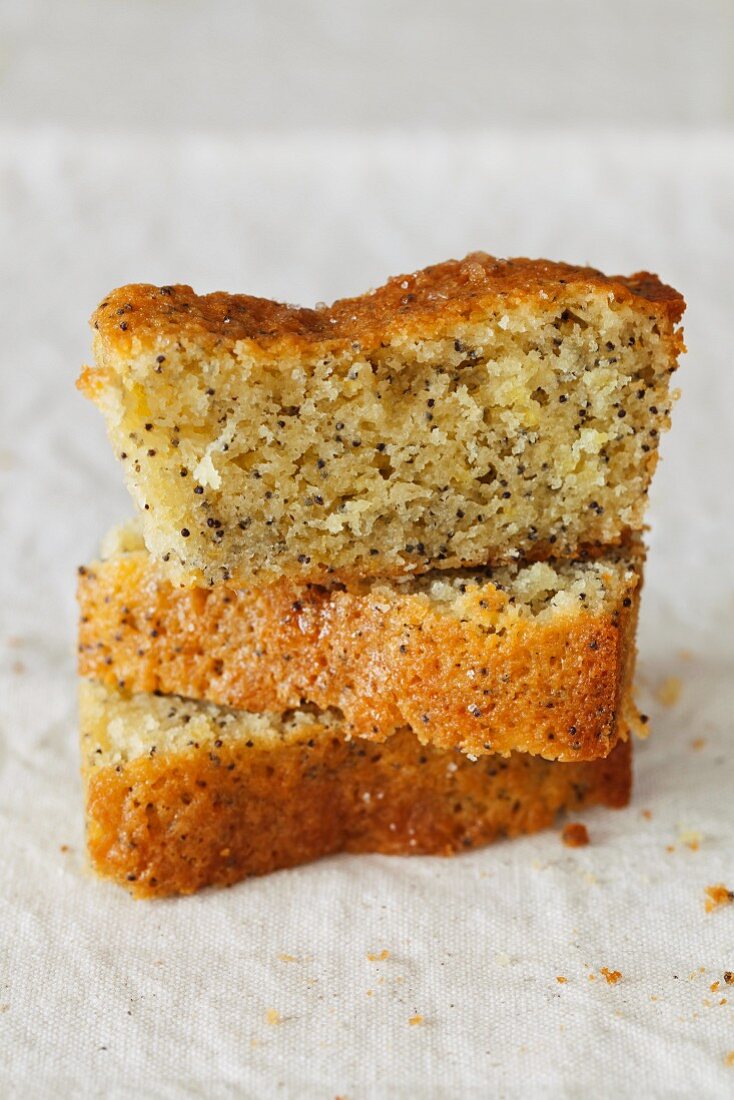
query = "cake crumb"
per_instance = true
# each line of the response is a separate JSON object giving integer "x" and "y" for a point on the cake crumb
{"x": 64, "y": 848}
{"x": 729, "y": 977}
{"x": 691, "y": 838}
{"x": 718, "y": 896}
{"x": 415, "y": 1021}
{"x": 647, "y": 814}
{"x": 575, "y": 835}
{"x": 611, "y": 976}
{"x": 669, "y": 691}
{"x": 375, "y": 957}
{"x": 729, "y": 1059}
{"x": 698, "y": 743}
{"x": 714, "y": 986}
{"x": 561, "y": 980}
{"x": 286, "y": 958}
{"x": 272, "y": 1016}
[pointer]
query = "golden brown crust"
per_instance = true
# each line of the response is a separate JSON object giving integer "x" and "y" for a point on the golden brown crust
{"x": 421, "y": 303}
{"x": 172, "y": 824}
{"x": 386, "y": 658}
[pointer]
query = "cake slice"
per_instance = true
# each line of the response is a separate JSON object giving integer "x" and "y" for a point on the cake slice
{"x": 182, "y": 794}
{"x": 472, "y": 413}
{"x": 532, "y": 658}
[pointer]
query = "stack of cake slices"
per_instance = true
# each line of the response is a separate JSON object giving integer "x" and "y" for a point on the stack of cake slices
{"x": 382, "y": 591}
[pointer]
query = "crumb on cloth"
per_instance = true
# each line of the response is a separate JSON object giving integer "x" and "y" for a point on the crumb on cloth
{"x": 272, "y": 1016}
{"x": 611, "y": 976}
{"x": 668, "y": 693}
{"x": 691, "y": 838}
{"x": 575, "y": 835}
{"x": 415, "y": 1021}
{"x": 376, "y": 957}
{"x": 561, "y": 980}
{"x": 718, "y": 896}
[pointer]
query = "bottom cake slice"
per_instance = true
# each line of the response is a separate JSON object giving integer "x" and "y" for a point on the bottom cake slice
{"x": 183, "y": 794}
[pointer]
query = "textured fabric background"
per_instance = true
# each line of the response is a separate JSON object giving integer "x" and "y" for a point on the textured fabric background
{"x": 102, "y": 996}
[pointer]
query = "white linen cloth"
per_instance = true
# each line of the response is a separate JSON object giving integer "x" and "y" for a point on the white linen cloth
{"x": 104, "y": 996}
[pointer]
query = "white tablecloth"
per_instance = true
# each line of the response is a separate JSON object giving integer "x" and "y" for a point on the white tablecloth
{"x": 103, "y": 996}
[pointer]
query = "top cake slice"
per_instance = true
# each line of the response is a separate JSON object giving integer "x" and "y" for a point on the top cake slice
{"x": 473, "y": 412}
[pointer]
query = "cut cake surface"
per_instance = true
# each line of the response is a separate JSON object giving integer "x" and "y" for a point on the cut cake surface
{"x": 471, "y": 413}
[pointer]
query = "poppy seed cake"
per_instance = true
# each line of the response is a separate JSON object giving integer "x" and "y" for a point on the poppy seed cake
{"x": 183, "y": 794}
{"x": 477, "y": 411}
{"x": 534, "y": 658}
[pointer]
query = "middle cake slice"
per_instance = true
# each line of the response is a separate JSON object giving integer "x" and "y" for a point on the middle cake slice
{"x": 535, "y": 658}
